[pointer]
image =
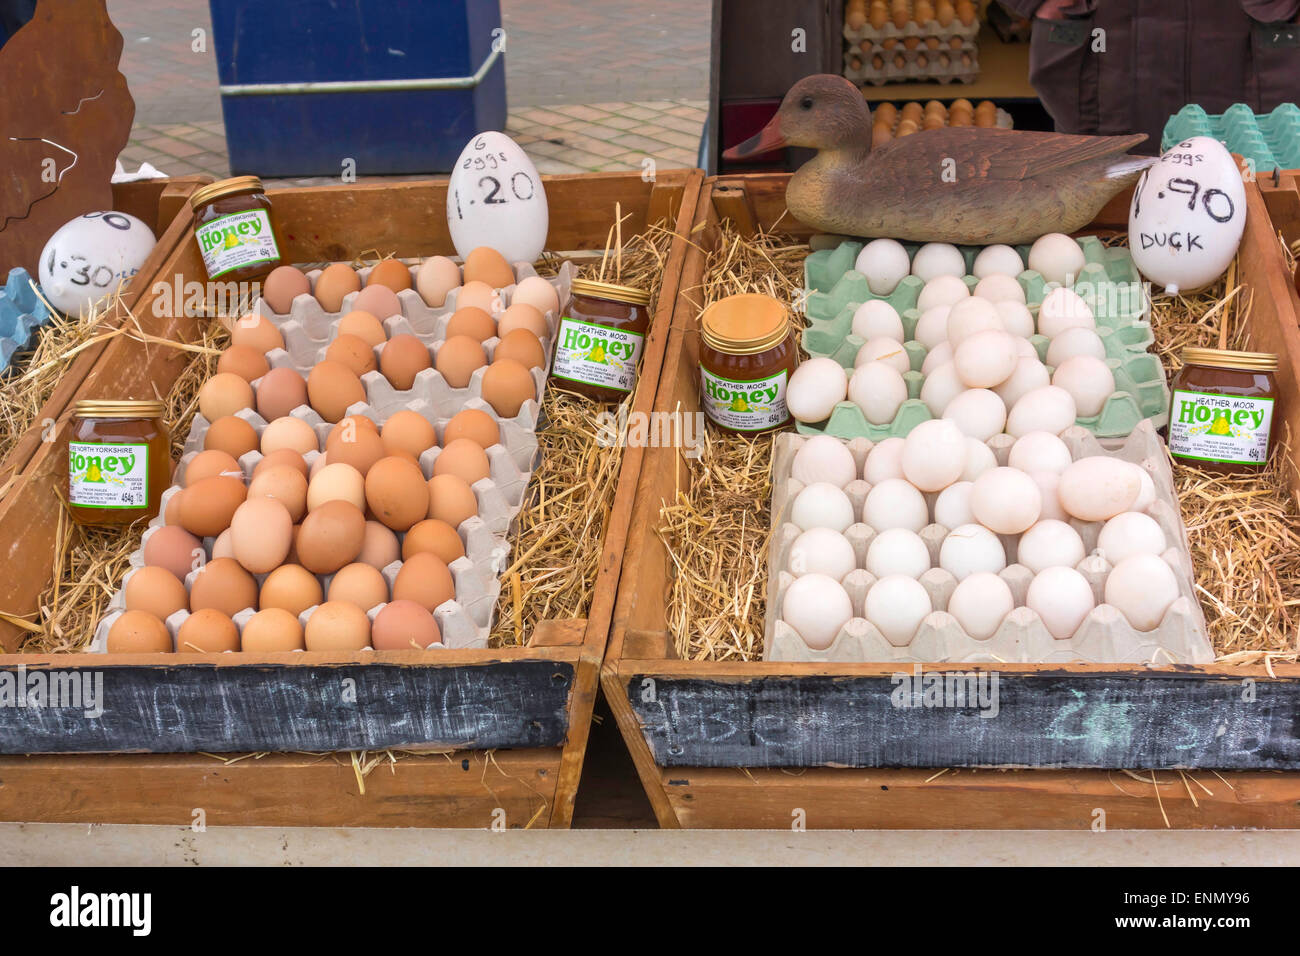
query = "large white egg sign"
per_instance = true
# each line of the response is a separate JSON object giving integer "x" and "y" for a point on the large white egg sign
{"x": 89, "y": 257}
{"x": 1187, "y": 216}
{"x": 495, "y": 198}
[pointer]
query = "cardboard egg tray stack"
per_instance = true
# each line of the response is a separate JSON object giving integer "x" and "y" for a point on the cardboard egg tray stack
{"x": 1109, "y": 283}
{"x": 883, "y": 128}
{"x": 307, "y": 330}
{"x": 917, "y": 52}
{"x": 21, "y": 311}
{"x": 1104, "y": 637}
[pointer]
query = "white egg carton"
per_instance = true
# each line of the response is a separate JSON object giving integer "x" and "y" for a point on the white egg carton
{"x": 1105, "y": 636}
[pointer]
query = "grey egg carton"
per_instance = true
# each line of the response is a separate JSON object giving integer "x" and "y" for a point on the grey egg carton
{"x": 938, "y": 66}
{"x": 913, "y": 28}
{"x": 1104, "y": 637}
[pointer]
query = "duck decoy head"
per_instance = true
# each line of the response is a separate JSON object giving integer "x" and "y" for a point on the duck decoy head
{"x": 819, "y": 112}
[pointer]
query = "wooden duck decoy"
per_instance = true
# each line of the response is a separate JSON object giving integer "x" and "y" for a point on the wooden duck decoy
{"x": 956, "y": 184}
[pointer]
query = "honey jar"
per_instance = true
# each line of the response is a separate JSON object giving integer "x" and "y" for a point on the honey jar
{"x": 600, "y": 340}
{"x": 119, "y": 461}
{"x": 1221, "y": 410}
{"x": 235, "y": 230}
{"x": 747, "y": 355}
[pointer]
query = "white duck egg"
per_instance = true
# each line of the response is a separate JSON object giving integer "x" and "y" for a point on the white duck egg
{"x": 997, "y": 260}
{"x": 932, "y": 327}
{"x": 942, "y": 290}
{"x": 1049, "y": 483}
{"x": 979, "y": 459}
{"x": 1063, "y": 309}
{"x": 822, "y": 505}
{"x": 1062, "y": 597}
{"x": 1056, "y": 257}
{"x": 934, "y": 455}
{"x": 938, "y": 259}
{"x": 897, "y": 604}
{"x": 1142, "y": 587}
{"x": 978, "y": 412}
{"x": 1005, "y": 500}
{"x": 895, "y": 503}
{"x": 884, "y": 461}
{"x": 980, "y": 603}
{"x": 824, "y": 458}
{"x": 1028, "y": 375}
{"x": 1072, "y": 342}
{"x": 1098, "y": 487}
{"x": 815, "y": 388}
{"x": 1130, "y": 533}
{"x": 1147, "y": 496}
{"x": 877, "y": 319}
{"x": 940, "y": 387}
{"x": 878, "y": 389}
{"x": 985, "y": 359}
{"x": 884, "y": 262}
{"x": 970, "y": 549}
{"x": 889, "y": 351}
{"x": 1046, "y": 409}
{"x": 1016, "y": 317}
{"x": 970, "y": 316}
{"x": 816, "y": 606}
{"x": 937, "y": 356}
{"x": 1039, "y": 451}
{"x": 999, "y": 288}
{"x": 822, "y": 551}
{"x": 952, "y": 507}
{"x": 1088, "y": 380}
{"x": 1050, "y": 543}
{"x": 898, "y": 551}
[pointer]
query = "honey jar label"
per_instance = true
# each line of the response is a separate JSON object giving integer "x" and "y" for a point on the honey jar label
{"x": 596, "y": 355}
{"x": 1204, "y": 426}
{"x": 236, "y": 241}
{"x": 108, "y": 476}
{"x": 744, "y": 406}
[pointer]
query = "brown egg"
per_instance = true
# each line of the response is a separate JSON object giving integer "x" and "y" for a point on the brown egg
{"x": 900, "y": 17}
{"x": 391, "y": 273}
{"x": 479, "y": 295}
{"x": 944, "y": 12}
{"x": 222, "y": 547}
{"x": 172, "y": 510}
{"x": 911, "y": 43}
{"x": 280, "y": 391}
{"x": 282, "y": 456}
{"x": 379, "y": 300}
{"x": 331, "y": 537}
{"x": 337, "y": 626}
{"x": 358, "y": 447}
{"x": 207, "y": 464}
{"x": 210, "y": 503}
{"x": 243, "y": 360}
{"x": 396, "y": 493}
{"x": 476, "y": 425}
{"x": 335, "y": 282}
{"x": 291, "y": 588}
{"x": 356, "y": 421}
{"x": 232, "y": 435}
{"x": 906, "y": 128}
{"x": 521, "y": 346}
{"x": 923, "y": 11}
{"x": 224, "y": 585}
{"x": 359, "y": 584}
{"x": 257, "y": 332}
{"x": 458, "y": 358}
{"x": 380, "y": 547}
{"x": 404, "y": 626}
{"x": 486, "y": 265}
{"x": 521, "y": 315}
{"x": 402, "y": 359}
{"x": 207, "y": 631}
{"x": 138, "y": 632}
{"x": 537, "y": 292}
{"x": 426, "y": 580}
{"x": 933, "y": 121}
{"x": 282, "y": 286}
{"x": 260, "y": 534}
{"x": 284, "y": 484}
{"x": 291, "y": 433}
{"x": 272, "y": 629}
{"x": 174, "y": 549}
{"x": 966, "y": 12}
{"x": 293, "y": 546}
{"x": 224, "y": 394}
{"x": 434, "y": 537}
{"x": 364, "y": 326}
{"x": 332, "y": 389}
{"x": 471, "y": 321}
{"x": 336, "y": 482}
{"x": 157, "y": 591}
{"x": 451, "y": 499}
{"x": 410, "y": 432}
{"x": 506, "y": 386}
{"x": 464, "y": 458}
{"x": 351, "y": 351}
{"x": 436, "y": 276}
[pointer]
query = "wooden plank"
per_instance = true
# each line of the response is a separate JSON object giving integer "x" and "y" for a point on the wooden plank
{"x": 474, "y": 789}
{"x": 706, "y": 798}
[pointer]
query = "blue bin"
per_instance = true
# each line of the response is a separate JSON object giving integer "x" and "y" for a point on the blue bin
{"x": 280, "y": 122}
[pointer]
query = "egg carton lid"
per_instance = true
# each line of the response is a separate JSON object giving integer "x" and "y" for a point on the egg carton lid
{"x": 1104, "y": 637}
{"x": 1269, "y": 140}
{"x": 21, "y": 312}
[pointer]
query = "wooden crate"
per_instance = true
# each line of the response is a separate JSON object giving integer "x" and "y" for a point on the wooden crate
{"x": 771, "y": 744}
{"x": 506, "y": 728}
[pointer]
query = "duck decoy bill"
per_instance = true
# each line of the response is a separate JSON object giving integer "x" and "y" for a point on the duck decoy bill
{"x": 766, "y": 140}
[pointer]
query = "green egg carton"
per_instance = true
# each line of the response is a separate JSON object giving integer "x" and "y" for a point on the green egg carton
{"x": 1270, "y": 141}
{"x": 837, "y": 289}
